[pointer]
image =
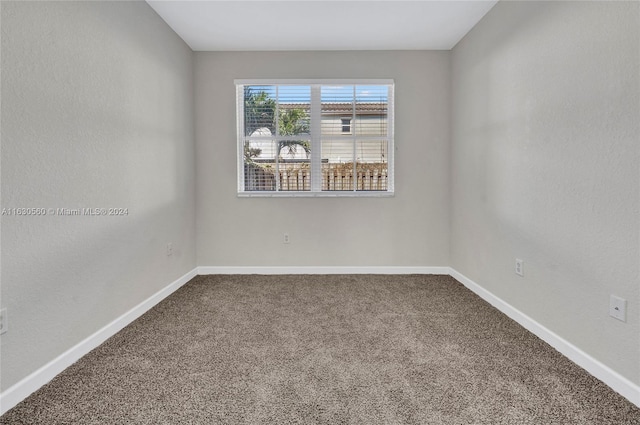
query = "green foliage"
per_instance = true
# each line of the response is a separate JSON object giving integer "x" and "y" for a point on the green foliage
{"x": 293, "y": 121}
{"x": 259, "y": 111}
{"x": 250, "y": 153}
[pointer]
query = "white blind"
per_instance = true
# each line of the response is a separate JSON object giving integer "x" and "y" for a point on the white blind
{"x": 315, "y": 137}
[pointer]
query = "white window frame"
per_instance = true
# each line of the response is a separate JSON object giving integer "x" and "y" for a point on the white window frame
{"x": 316, "y": 137}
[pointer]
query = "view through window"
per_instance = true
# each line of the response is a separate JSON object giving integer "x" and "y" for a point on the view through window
{"x": 299, "y": 138}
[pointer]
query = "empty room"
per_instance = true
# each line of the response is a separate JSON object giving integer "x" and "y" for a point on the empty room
{"x": 320, "y": 212}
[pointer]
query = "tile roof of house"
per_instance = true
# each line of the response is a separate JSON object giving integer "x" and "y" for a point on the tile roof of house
{"x": 342, "y": 108}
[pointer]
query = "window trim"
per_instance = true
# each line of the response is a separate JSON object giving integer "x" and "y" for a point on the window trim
{"x": 315, "y": 159}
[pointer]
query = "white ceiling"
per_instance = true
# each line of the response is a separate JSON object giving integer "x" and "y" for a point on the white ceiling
{"x": 321, "y": 25}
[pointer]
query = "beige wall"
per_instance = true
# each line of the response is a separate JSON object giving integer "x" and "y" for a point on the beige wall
{"x": 410, "y": 229}
{"x": 545, "y": 155}
{"x": 97, "y": 111}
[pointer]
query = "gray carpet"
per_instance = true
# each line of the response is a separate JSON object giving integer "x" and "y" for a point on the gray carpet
{"x": 348, "y": 349}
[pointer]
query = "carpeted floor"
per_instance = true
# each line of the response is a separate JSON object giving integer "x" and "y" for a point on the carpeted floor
{"x": 350, "y": 349}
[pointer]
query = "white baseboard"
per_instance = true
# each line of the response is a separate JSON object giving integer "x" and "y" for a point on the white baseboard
{"x": 322, "y": 270}
{"x": 22, "y": 389}
{"x": 613, "y": 379}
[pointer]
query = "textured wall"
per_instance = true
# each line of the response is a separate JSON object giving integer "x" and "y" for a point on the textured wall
{"x": 410, "y": 229}
{"x": 97, "y": 111}
{"x": 545, "y": 154}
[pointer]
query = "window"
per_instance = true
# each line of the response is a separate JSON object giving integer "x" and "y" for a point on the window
{"x": 346, "y": 125}
{"x": 315, "y": 138}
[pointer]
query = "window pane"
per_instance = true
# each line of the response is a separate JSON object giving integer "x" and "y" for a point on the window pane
{"x": 337, "y": 109}
{"x": 371, "y": 110}
{"x": 371, "y": 165}
{"x": 337, "y": 164}
{"x": 259, "y": 165}
{"x": 262, "y": 172}
{"x": 294, "y": 106}
{"x": 346, "y": 125}
{"x": 259, "y": 110}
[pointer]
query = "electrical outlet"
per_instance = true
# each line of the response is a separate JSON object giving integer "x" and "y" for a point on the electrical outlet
{"x": 4, "y": 324}
{"x": 285, "y": 238}
{"x": 519, "y": 267}
{"x": 618, "y": 308}
{"x": 169, "y": 249}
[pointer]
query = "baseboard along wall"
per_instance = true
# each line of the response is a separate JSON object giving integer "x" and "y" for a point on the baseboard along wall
{"x": 323, "y": 270}
{"x": 21, "y": 390}
{"x": 613, "y": 379}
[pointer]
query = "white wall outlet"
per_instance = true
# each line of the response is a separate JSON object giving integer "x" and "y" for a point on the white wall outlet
{"x": 4, "y": 323}
{"x": 169, "y": 249}
{"x": 519, "y": 267}
{"x": 285, "y": 238}
{"x": 618, "y": 308}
